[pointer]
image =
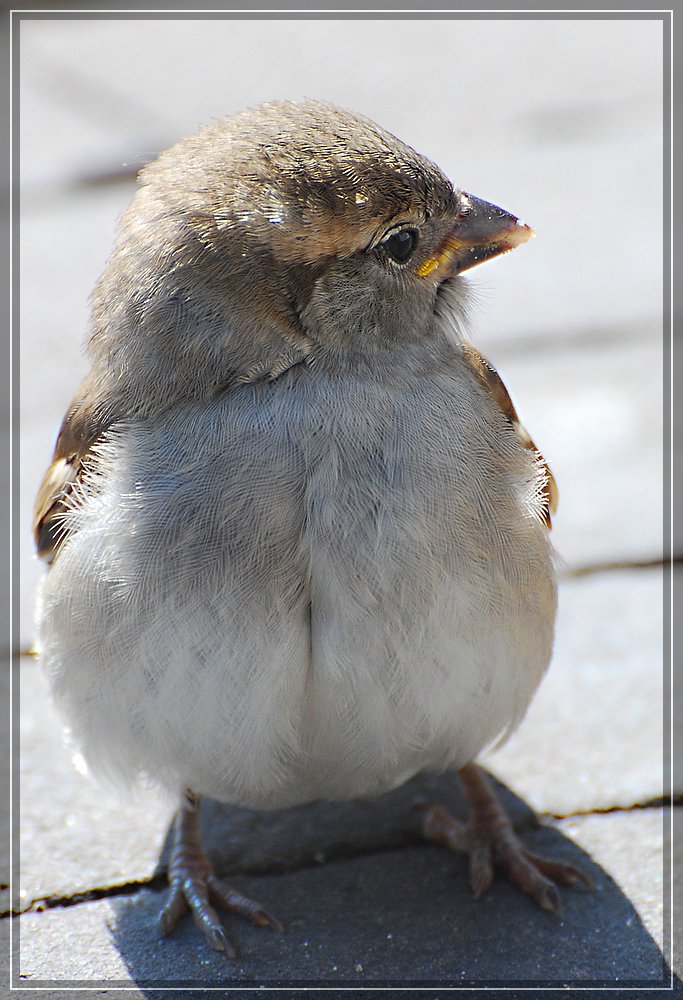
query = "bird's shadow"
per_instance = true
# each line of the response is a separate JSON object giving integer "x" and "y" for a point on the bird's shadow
{"x": 366, "y": 902}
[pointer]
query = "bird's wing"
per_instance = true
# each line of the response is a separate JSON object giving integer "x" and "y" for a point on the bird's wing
{"x": 491, "y": 380}
{"x": 92, "y": 412}
{"x": 85, "y": 422}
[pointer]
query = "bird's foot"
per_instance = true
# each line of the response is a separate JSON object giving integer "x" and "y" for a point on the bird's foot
{"x": 490, "y": 841}
{"x": 195, "y": 888}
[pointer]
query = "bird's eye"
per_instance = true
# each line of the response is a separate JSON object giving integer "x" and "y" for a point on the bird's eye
{"x": 400, "y": 245}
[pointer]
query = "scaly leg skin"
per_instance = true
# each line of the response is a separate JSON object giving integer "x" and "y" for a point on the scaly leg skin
{"x": 194, "y": 887}
{"x": 491, "y": 841}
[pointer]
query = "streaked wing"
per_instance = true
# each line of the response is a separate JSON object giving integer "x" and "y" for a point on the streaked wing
{"x": 85, "y": 422}
{"x": 491, "y": 380}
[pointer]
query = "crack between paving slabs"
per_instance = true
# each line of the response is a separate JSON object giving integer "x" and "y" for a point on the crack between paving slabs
{"x": 658, "y": 802}
{"x": 610, "y": 567}
{"x": 56, "y": 901}
{"x": 157, "y": 881}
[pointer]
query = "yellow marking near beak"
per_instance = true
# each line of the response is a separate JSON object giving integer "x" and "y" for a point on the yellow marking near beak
{"x": 450, "y": 247}
{"x": 427, "y": 266}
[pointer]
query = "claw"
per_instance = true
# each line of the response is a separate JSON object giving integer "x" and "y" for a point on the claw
{"x": 489, "y": 839}
{"x": 220, "y": 941}
{"x": 234, "y": 901}
{"x": 175, "y": 907}
{"x": 268, "y": 919}
{"x": 560, "y": 871}
{"x": 548, "y": 898}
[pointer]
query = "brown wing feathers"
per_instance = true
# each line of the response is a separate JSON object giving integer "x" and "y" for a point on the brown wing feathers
{"x": 491, "y": 380}
{"x": 86, "y": 420}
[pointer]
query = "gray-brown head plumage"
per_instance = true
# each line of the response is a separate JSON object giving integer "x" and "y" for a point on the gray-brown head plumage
{"x": 289, "y": 233}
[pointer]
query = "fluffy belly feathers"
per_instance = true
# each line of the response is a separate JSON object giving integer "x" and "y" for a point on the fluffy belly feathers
{"x": 255, "y": 606}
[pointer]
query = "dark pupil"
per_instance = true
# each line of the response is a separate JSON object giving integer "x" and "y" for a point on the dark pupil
{"x": 401, "y": 245}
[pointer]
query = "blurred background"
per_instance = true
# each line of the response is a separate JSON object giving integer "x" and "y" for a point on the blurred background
{"x": 558, "y": 120}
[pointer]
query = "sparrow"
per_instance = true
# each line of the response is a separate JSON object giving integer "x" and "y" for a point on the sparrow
{"x": 298, "y": 539}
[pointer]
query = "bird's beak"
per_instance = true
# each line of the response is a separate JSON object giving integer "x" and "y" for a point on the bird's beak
{"x": 482, "y": 231}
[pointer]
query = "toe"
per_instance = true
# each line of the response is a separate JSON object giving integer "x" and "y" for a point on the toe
{"x": 560, "y": 871}
{"x": 208, "y": 922}
{"x": 235, "y": 902}
{"x": 220, "y": 941}
{"x": 175, "y": 907}
{"x": 481, "y": 868}
{"x": 442, "y": 828}
{"x": 546, "y": 895}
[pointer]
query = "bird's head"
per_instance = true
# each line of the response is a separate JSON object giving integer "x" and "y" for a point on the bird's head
{"x": 292, "y": 226}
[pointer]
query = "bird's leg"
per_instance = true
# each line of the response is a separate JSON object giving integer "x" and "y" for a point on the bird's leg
{"x": 490, "y": 840}
{"x": 194, "y": 887}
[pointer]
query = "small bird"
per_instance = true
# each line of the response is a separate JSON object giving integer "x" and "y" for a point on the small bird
{"x": 298, "y": 537}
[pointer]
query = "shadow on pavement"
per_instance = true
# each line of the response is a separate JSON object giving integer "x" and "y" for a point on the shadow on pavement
{"x": 366, "y": 904}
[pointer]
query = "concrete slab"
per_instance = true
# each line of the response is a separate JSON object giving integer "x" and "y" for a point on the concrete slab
{"x": 677, "y": 880}
{"x": 595, "y": 411}
{"x": 630, "y": 846}
{"x": 399, "y": 918}
{"x": 593, "y": 736}
{"x": 5, "y": 788}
